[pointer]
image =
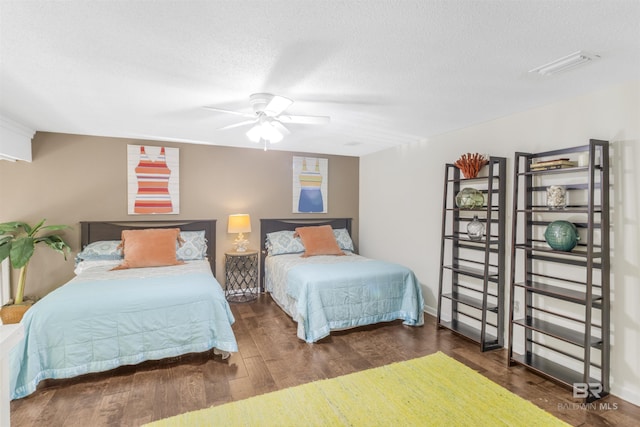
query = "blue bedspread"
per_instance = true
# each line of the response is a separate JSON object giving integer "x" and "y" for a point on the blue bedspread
{"x": 96, "y": 325}
{"x": 345, "y": 295}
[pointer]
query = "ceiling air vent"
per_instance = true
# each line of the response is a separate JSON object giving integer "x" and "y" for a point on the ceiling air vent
{"x": 565, "y": 63}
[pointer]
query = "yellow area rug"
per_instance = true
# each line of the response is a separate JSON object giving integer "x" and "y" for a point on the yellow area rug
{"x": 432, "y": 390}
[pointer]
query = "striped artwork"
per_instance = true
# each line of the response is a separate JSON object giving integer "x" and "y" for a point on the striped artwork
{"x": 309, "y": 185}
{"x": 153, "y": 180}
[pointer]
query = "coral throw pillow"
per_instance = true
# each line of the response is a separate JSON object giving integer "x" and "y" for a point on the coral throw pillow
{"x": 153, "y": 247}
{"x": 318, "y": 240}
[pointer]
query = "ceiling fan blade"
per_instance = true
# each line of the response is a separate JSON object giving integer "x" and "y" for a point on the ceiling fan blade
{"x": 236, "y": 125}
{"x": 237, "y": 113}
{"x": 306, "y": 120}
{"x": 277, "y": 105}
{"x": 280, "y": 128}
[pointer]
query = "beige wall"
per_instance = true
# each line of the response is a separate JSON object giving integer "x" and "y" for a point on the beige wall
{"x": 75, "y": 178}
{"x": 409, "y": 181}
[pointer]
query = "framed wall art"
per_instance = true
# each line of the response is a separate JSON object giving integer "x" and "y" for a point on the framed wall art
{"x": 153, "y": 180}
{"x": 310, "y": 185}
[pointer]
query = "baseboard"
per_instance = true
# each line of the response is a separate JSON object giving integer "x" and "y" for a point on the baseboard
{"x": 626, "y": 393}
{"x": 430, "y": 310}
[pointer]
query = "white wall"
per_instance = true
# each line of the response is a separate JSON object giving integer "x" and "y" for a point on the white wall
{"x": 401, "y": 200}
{"x": 4, "y": 282}
{"x": 15, "y": 140}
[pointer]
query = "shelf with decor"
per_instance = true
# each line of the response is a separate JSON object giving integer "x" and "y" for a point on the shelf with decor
{"x": 560, "y": 267}
{"x": 471, "y": 283}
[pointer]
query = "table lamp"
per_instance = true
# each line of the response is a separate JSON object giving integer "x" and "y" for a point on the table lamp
{"x": 240, "y": 223}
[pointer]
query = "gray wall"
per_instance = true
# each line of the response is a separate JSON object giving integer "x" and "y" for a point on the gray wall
{"x": 84, "y": 178}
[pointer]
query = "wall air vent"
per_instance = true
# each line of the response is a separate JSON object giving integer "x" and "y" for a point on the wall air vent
{"x": 565, "y": 63}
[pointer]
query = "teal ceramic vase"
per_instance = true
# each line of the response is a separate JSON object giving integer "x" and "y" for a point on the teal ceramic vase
{"x": 469, "y": 198}
{"x": 561, "y": 236}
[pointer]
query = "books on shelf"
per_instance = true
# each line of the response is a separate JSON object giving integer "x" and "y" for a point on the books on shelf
{"x": 553, "y": 164}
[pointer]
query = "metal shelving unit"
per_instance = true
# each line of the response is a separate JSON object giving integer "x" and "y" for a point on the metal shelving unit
{"x": 471, "y": 285}
{"x": 559, "y": 301}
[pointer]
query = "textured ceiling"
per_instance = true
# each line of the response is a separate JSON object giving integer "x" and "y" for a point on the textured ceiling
{"x": 387, "y": 72}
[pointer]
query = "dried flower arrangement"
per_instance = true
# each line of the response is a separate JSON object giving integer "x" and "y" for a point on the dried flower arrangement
{"x": 470, "y": 164}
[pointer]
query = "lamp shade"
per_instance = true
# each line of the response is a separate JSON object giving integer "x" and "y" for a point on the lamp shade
{"x": 255, "y": 133}
{"x": 239, "y": 223}
{"x": 266, "y": 131}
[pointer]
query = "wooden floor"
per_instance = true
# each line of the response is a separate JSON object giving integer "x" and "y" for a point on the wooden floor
{"x": 271, "y": 357}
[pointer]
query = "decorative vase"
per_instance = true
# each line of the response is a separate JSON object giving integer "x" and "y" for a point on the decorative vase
{"x": 556, "y": 197}
{"x": 475, "y": 229}
{"x": 562, "y": 236}
{"x": 469, "y": 198}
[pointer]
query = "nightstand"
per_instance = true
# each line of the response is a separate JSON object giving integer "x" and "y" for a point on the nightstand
{"x": 241, "y": 276}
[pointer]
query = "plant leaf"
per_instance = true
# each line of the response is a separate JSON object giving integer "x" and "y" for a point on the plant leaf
{"x": 54, "y": 227}
{"x": 21, "y": 251}
{"x": 9, "y": 227}
{"x": 56, "y": 243}
{"x": 34, "y": 230}
{"x": 5, "y": 247}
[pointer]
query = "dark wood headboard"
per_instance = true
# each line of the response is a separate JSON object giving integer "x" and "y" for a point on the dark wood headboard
{"x": 273, "y": 225}
{"x": 93, "y": 231}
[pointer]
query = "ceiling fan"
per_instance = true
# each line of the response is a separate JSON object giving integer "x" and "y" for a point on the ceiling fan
{"x": 268, "y": 118}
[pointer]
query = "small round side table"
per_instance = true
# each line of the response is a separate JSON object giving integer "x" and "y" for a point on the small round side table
{"x": 241, "y": 276}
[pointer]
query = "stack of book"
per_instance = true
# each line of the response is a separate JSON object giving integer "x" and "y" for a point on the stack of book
{"x": 552, "y": 164}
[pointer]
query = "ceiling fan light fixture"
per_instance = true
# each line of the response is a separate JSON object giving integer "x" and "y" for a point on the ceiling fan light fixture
{"x": 255, "y": 133}
{"x": 565, "y": 63}
{"x": 270, "y": 133}
{"x": 264, "y": 131}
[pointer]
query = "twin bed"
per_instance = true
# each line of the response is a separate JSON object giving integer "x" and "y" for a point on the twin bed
{"x": 104, "y": 318}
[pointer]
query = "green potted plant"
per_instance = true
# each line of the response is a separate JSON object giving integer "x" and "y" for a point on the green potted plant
{"x": 18, "y": 241}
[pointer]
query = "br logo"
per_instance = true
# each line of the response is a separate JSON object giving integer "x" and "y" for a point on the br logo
{"x": 584, "y": 390}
